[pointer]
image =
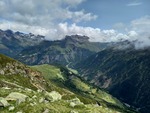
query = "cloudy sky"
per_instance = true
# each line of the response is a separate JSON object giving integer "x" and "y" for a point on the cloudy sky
{"x": 101, "y": 20}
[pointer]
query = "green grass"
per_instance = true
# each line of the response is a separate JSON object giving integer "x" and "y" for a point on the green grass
{"x": 4, "y": 60}
{"x": 59, "y": 79}
{"x": 16, "y": 81}
{"x": 49, "y": 71}
{"x": 80, "y": 85}
{"x": 33, "y": 105}
{"x": 85, "y": 92}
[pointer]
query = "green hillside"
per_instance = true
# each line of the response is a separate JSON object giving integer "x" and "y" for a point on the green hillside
{"x": 53, "y": 89}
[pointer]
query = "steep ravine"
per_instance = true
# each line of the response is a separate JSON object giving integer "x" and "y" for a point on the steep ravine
{"x": 124, "y": 73}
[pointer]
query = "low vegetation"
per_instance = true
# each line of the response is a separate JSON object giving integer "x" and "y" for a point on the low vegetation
{"x": 54, "y": 89}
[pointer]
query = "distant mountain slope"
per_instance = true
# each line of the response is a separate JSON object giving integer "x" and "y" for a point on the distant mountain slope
{"x": 70, "y": 50}
{"x": 47, "y": 88}
{"x": 125, "y": 73}
{"x": 34, "y": 49}
{"x": 11, "y": 43}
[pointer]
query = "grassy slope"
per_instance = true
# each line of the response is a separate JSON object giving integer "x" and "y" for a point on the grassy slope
{"x": 56, "y": 79}
{"x": 87, "y": 93}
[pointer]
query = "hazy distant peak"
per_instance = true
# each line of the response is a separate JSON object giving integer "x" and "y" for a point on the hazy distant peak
{"x": 77, "y": 38}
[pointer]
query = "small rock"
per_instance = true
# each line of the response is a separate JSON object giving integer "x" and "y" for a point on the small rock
{"x": 72, "y": 111}
{"x": 31, "y": 104}
{"x": 45, "y": 101}
{"x": 27, "y": 89}
{"x": 2, "y": 72}
{"x": 34, "y": 96}
{"x": 3, "y": 102}
{"x": 72, "y": 104}
{"x": 75, "y": 102}
{"x": 19, "y": 112}
{"x": 41, "y": 100}
{"x": 106, "y": 108}
{"x": 34, "y": 103}
{"x": 6, "y": 88}
{"x": 11, "y": 108}
{"x": 46, "y": 111}
{"x": 53, "y": 96}
{"x": 30, "y": 100}
{"x": 39, "y": 91}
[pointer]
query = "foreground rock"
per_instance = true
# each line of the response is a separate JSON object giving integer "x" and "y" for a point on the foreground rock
{"x": 3, "y": 102}
{"x": 75, "y": 102}
{"x": 53, "y": 96}
{"x": 17, "y": 97}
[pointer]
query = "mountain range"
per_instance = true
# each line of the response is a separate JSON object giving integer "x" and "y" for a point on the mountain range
{"x": 12, "y": 43}
{"x": 76, "y": 65}
{"x": 66, "y": 51}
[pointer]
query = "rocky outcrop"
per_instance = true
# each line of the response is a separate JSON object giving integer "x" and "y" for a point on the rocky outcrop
{"x": 10, "y": 68}
{"x": 13, "y": 68}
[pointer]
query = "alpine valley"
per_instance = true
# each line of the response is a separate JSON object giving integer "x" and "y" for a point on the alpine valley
{"x": 72, "y": 75}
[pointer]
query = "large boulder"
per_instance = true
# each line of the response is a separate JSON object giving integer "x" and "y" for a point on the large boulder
{"x": 17, "y": 97}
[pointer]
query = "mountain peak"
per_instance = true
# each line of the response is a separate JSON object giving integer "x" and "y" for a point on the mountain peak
{"x": 77, "y": 38}
{"x": 9, "y": 32}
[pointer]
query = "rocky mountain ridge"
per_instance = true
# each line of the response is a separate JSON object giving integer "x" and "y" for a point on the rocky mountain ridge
{"x": 12, "y": 43}
{"x": 34, "y": 49}
{"x": 70, "y": 50}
